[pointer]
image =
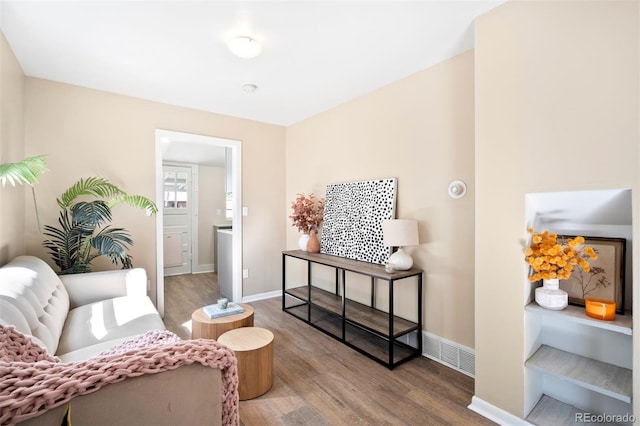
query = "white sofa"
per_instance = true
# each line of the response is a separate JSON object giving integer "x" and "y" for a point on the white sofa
{"x": 79, "y": 318}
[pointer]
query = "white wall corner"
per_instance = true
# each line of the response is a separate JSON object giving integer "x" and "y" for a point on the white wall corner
{"x": 495, "y": 414}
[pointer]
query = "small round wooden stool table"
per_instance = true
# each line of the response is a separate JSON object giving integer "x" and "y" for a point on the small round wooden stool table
{"x": 203, "y": 327}
{"x": 253, "y": 347}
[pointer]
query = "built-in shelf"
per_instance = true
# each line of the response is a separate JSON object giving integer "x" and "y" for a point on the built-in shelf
{"x": 610, "y": 381}
{"x": 597, "y": 382}
{"x": 622, "y": 323}
{"x": 550, "y": 411}
{"x": 597, "y": 376}
{"x": 579, "y": 365}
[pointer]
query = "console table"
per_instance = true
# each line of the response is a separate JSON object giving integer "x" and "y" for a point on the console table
{"x": 376, "y": 332}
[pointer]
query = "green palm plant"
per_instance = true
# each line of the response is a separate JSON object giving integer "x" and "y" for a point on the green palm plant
{"x": 27, "y": 171}
{"x": 84, "y": 232}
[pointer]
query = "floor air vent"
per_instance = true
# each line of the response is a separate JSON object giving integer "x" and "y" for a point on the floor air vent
{"x": 449, "y": 353}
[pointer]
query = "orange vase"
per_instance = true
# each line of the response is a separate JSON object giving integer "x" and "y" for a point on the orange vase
{"x": 313, "y": 246}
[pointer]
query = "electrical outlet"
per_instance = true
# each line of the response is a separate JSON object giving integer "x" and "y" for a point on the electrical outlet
{"x": 245, "y": 273}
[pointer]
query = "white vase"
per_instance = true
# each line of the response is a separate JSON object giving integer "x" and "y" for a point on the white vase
{"x": 302, "y": 242}
{"x": 549, "y": 296}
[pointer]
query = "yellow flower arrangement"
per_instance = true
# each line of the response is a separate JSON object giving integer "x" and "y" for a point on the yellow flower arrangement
{"x": 550, "y": 258}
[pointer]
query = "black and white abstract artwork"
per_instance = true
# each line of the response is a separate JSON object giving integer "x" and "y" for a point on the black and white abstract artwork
{"x": 353, "y": 216}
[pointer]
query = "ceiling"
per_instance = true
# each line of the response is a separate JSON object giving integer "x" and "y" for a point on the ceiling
{"x": 316, "y": 54}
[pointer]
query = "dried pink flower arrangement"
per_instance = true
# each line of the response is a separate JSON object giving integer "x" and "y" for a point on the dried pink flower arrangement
{"x": 308, "y": 212}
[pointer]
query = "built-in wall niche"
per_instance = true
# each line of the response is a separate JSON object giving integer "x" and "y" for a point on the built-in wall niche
{"x": 575, "y": 364}
{"x": 602, "y": 213}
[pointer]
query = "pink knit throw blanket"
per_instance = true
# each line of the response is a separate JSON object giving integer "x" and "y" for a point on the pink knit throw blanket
{"x": 32, "y": 381}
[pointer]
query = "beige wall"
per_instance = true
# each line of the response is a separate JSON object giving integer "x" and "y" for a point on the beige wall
{"x": 419, "y": 130}
{"x": 556, "y": 110}
{"x": 12, "y": 200}
{"x": 87, "y": 132}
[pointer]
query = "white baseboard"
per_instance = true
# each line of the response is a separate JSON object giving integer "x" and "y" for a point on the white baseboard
{"x": 495, "y": 414}
{"x": 203, "y": 269}
{"x": 262, "y": 296}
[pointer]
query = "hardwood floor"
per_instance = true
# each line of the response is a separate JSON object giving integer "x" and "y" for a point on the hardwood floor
{"x": 319, "y": 381}
{"x": 183, "y": 294}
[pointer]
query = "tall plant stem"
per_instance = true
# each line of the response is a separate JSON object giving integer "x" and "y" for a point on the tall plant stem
{"x": 35, "y": 207}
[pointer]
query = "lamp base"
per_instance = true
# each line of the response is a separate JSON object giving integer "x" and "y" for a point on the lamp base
{"x": 401, "y": 260}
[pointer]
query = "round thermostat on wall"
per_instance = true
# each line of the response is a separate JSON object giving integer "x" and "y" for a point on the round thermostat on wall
{"x": 457, "y": 189}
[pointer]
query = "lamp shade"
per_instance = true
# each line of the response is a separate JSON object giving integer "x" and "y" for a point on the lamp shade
{"x": 400, "y": 232}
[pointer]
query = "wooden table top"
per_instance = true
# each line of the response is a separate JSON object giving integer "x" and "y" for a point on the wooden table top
{"x": 199, "y": 315}
{"x": 246, "y": 338}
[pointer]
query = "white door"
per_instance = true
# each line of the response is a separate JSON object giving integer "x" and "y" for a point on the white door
{"x": 177, "y": 207}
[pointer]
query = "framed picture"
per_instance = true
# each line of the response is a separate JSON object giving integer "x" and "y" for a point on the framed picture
{"x": 605, "y": 280}
{"x": 353, "y": 215}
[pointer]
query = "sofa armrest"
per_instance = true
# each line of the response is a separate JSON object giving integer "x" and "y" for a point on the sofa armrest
{"x": 191, "y": 395}
{"x": 155, "y": 378}
{"x": 95, "y": 286}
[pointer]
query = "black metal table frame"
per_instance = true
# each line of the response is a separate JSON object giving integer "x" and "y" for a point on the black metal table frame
{"x": 341, "y": 266}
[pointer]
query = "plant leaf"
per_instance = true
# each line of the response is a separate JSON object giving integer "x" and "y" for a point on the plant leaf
{"x": 98, "y": 187}
{"x": 65, "y": 243}
{"x": 137, "y": 201}
{"x": 114, "y": 242}
{"x": 26, "y": 171}
{"x": 90, "y": 214}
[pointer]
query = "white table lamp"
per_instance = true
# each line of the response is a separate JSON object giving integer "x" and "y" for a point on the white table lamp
{"x": 400, "y": 233}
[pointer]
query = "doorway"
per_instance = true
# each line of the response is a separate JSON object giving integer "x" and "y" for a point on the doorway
{"x": 192, "y": 148}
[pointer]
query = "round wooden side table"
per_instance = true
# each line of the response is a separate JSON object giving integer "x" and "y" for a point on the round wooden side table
{"x": 253, "y": 347}
{"x": 203, "y": 327}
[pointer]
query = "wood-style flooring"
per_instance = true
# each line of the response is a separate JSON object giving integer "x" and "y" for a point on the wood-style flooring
{"x": 183, "y": 294}
{"x": 319, "y": 381}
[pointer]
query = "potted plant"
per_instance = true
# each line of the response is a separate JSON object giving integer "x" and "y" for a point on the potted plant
{"x": 84, "y": 232}
{"x": 308, "y": 213}
{"x": 553, "y": 259}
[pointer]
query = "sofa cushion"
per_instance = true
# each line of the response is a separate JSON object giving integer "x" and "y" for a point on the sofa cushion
{"x": 99, "y": 322}
{"x": 85, "y": 353}
{"x": 41, "y": 300}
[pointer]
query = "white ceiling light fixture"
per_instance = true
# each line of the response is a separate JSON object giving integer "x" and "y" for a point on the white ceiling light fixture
{"x": 245, "y": 47}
